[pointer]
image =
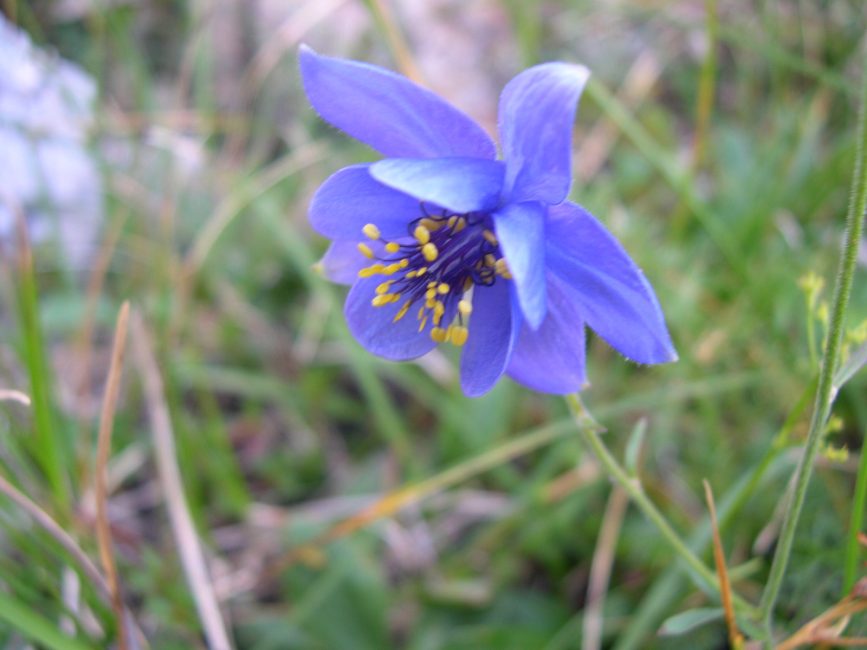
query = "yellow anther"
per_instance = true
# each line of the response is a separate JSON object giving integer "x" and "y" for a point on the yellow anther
{"x": 422, "y": 324}
{"x": 384, "y": 287}
{"x": 443, "y": 288}
{"x": 490, "y": 260}
{"x": 503, "y": 269}
{"x": 403, "y": 263}
{"x": 421, "y": 234}
{"x": 430, "y": 294}
{"x": 438, "y": 334}
{"x": 420, "y": 272}
{"x": 459, "y": 335}
{"x": 364, "y": 249}
{"x": 430, "y": 251}
{"x": 402, "y": 312}
{"x": 431, "y": 224}
{"x": 438, "y": 310}
{"x": 379, "y": 301}
{"x": 371, "y": 231}
{"x": 468, "y": 284}
{"x": 490, "y": 236}
{"x": 460, "y": 224}
{"x": 391, "y": 269}
{"x": 432, "y": 284}
{"x": 364, "y": 273}
{"x": 430, "y": 302}
{"x": 392, "y": 247}
{"x": 453, "y": 220}
{"x": 410, "y": 274}
{"x": 465, "y": 307}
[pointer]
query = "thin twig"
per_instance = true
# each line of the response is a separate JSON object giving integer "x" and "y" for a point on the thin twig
{"x": 192, "y": 557}
{"x": 736, "y": 639}
{"x": 103, "y": 451}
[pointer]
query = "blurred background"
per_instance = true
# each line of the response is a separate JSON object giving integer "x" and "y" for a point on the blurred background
{"x": 162, "y": 152}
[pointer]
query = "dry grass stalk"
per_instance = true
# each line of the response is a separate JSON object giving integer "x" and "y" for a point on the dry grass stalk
{"x": 103, "y": 451}
{"x": 191, "y": 554}
{"x": 736, "y": 639}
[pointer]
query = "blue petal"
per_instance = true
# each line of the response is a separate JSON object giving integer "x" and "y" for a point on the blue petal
{"x": 342, "y": 262}
{"x": 389, "y": 112}
{"x": 458, "y": 184}
{"x": 520, "y": 229}
{"x": 351, "y": 198}
{"x": 537, "y": 109}
{"x": 615, "y": 298}
{"x": 375, "y": 329}
{"x": 494, "y": 325}
{"x": 551, "y": 358}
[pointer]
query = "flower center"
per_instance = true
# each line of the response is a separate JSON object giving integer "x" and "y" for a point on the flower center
{"x": 436, "y": 267}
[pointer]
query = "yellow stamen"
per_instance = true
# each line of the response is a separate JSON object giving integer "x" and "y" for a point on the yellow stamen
{"x": 503, "y": 269}
{"x": 422, "y": 324}
{"x": 421, "y": 234}
{"x": 364, "y": 249}
{"x": 443, "y": 288}
{"x": 465, "y": 307}
{"x": 384, "y": 287}
{"x": 490, "y": 236}
{"x": 402, "y": 312}
{"x": 431, "y": 224}
{"x": 460, "y": 225}
{"x": 453, "y": 220}
{"x": 438, "y": 310}
{"x": 420, "y": 272}
{"x": 459, "y": 335}
{"x": 490, "y": 260}
{"x": 403, "y": 263}
{"x": 438, "y": 334}
{"x": 430, "y": 251}
{"x": 371, "y": 231}
{"x": 392, "y": 247}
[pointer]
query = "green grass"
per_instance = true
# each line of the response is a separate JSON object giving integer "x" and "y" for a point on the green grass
{"x": 285, "y": 427}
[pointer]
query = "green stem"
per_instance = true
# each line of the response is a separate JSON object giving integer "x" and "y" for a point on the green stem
{"x": 824, "y": 391}
{"x": 589, "y": 431}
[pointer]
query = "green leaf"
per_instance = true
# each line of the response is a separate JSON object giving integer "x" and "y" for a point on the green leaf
{"x": 35, "y": 627}
{"x": 689, "y": 620}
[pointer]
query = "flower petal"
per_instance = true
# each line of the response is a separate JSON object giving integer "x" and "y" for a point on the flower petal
{"x": 551, "y": 358}
{"x": 458, "y": 184}
{"x": 342, "y": 262}
{"x": 615, "y": 298}
{"x": 375, "y": 329}
{"x": 351, "y": 198}
{"x": 389, "y": 112}
{"x": 536, "y": 112}
{"x": 520, "y": 229}
{"x": 494, "y": 325}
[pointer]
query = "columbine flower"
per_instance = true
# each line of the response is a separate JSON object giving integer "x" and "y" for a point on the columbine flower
{"x": 442, "y": 243}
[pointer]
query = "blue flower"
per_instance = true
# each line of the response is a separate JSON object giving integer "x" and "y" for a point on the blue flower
{"x": 442, "y": 242}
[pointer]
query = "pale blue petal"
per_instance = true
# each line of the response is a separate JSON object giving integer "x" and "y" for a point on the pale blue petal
{"x": 520, "y": 229}
{"x": 351, "y": 198}
{"x": 551, "y": 358}
{"x": 375, "y": 329}
{"x": 537, "y": 109}
{"x": 493, "y": 326}
{"x": 387, "y": 111}
{"x": 461, "y": 185}
{"x": 342, "y": 262}
{"x": 614, "y": 297}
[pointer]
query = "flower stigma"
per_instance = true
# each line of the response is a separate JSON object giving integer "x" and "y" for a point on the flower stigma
{"x": 436, "y": 266}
